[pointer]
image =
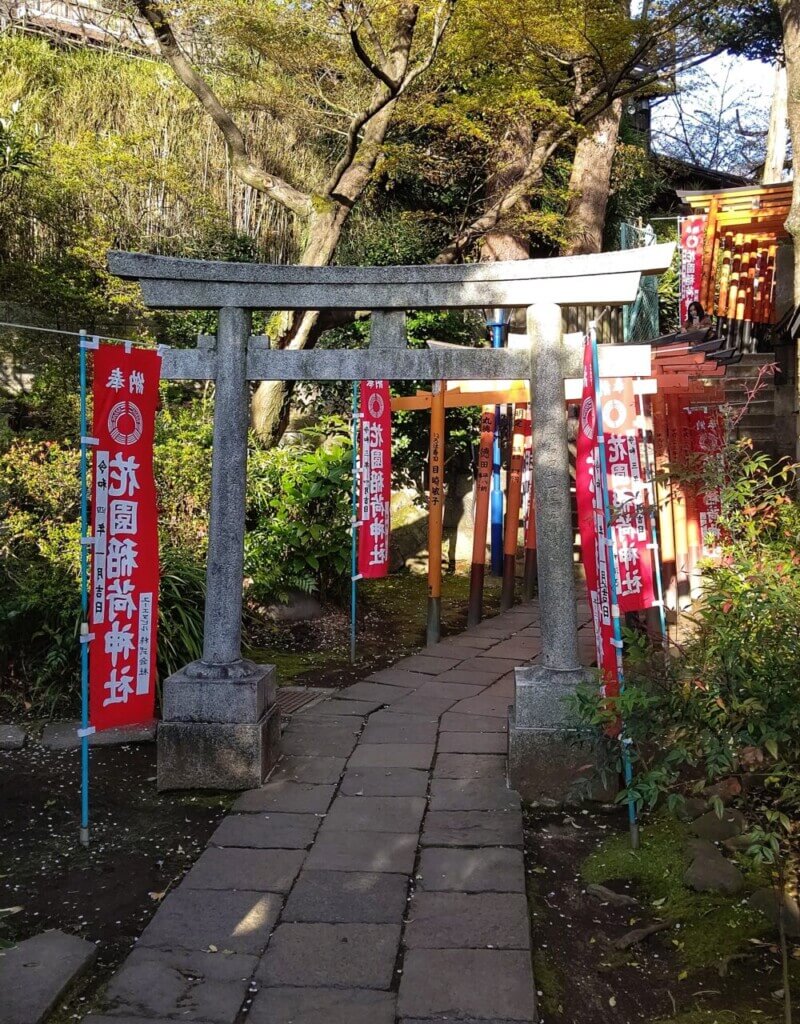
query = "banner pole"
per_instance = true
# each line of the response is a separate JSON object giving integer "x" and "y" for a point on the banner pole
{"x": 354, "y": 530}
{"x": 612, "y": 577}
{"x": 84, "y": 637}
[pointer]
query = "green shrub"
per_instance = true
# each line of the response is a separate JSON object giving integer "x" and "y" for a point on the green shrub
{"x": 298, "y": 515}
{"x": 40, "y": 582}
{"x": 728, "y": 700}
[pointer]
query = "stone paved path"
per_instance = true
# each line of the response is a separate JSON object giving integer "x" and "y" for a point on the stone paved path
{"x": 377, "y": 877}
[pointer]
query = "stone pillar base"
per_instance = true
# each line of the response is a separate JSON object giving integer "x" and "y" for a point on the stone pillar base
{"x": 547, "y": 764}
{"x": 221, "y": 727}
{"x": 218, "y": 755}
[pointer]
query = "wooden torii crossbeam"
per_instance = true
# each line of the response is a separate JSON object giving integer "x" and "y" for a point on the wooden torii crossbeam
{"x": 220, "y": 724}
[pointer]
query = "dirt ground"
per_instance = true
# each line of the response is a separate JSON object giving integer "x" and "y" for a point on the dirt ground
{"x": 583, "y": 979}
{"x": 141, "y": 843}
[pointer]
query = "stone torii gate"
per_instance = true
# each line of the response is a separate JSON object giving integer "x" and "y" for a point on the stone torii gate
{"x": 220, "y": 726}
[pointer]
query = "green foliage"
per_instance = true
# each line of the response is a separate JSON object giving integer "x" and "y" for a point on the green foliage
{"x": 299, "y": 511}
{"x": 727, "y": 701}
{"x": 40, "y": 580}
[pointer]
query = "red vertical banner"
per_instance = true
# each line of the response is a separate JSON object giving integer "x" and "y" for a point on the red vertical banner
{"x": 627, "y": 491}
{"x": 591, "y": 524}
{"x": 375, "y": 491}
{"x": 693, "y": 233}
{"x": 123, "y": 609}
{"x": 706, "y": 441}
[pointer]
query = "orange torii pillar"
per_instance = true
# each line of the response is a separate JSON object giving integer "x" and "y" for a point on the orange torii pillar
{"x": 435, "y": 512}
{"x": 531, "y": 569}
{"x": 480, "y": 517}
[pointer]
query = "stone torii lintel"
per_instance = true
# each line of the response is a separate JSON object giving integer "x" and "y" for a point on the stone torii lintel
{"x": 220, "y": 725}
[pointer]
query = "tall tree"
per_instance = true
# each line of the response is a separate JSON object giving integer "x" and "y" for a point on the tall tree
{"x": 346, "y": 63}
{"x": 590, "y": 183}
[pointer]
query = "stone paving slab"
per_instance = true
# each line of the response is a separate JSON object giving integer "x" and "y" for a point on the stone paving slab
{"x": 269, "y": 831}
{"x": 468, "y": 639}
{"x": 317, "y": 770}
{"x": 384, "y": 850}
{"x": 470, "y": 766}
{"x": 339, "y": 708}
{"x": 323, "y": 1006}
{"x": 384, "y": 782}
{"x": 379, "y": 692}
{"x": 64, "y": 736}
{"x": 438, "y": 690}
{"x": 195, "y": 986}
{"x": 331, "y": 956}
{"x": 398, "y": 677}
{"x": 36, "y": 972}
{"x": 393, "y": 755}
{"x": 473, "y": 742}
{"x": 347, "y": 897}
{"x": 230, "y": 868}
{"x": 416, "y": 705}
{"x": 199, "y": 918}
{"x": 490, "y": 663}
{"x": 472, "y": 795}
{"x": 493, "y": 869}
{"x": 468, "y": 676}
{"x": 446, "y": 650}
{"x": 397, "y": 731}
{"x": 364, "y": 851}
{"x": 459, "y": 920}
{"x": 428, "y": 665}
{"x": 491, "y": 704}
{"x": 462, "y": 985}
{"x": 11, "y": 736}
{"x": 519, "y": 649}
{"x": 472, "y": 828}
{"x": 375, "y": 814}
{"x": 456, "y": 721}
{"x": 400, "y": 717}
{"x": 286, "y": 795}
{"x": 313, "y": 741}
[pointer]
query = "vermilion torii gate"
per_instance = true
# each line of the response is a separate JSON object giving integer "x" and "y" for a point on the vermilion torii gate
{"x": 220, "y": 725}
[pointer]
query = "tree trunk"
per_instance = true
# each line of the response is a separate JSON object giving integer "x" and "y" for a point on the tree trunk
{"x": 777, "y": 135}
{"x": 790, "y": 17}
{"x": 590, "y": 183}
{"x": 509, "y": 241}
{"x": 269, "y": 410}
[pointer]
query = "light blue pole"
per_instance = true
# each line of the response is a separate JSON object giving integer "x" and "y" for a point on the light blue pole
{"x": 84, "y": 835}
{"x": 496, "y": 326}
{"x": 608, "y": 540}
{"x": 354, "y": 530}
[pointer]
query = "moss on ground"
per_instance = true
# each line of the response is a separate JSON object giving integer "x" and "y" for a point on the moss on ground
{"x": 549, "y": 983}
{"x": 711, "y": 926}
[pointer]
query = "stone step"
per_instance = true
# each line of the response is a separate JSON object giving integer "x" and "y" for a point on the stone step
{"x": 36, "y": 973}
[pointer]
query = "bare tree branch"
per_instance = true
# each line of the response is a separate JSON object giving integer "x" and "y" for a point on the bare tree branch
{"x": 250, "y": 173}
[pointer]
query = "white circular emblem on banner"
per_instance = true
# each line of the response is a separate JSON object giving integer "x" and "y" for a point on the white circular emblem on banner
{"x": 375, "y": 405}
{"x": 614, "y": 413}
{"x": 587, "y": 417}
{"x": 125, "y": 423}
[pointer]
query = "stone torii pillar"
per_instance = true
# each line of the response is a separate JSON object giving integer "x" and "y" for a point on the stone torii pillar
{"x": 220, "y": 726}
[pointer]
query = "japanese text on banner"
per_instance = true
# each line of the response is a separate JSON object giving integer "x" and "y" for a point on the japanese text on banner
{"x": 628, "y": 496}
{"x": 706, "y": 444}
{"x": 591, "y": 523}
{"x": 376, "y": 479}
{"x": 123, "y": 609}
{"x": 693, "y": 234}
